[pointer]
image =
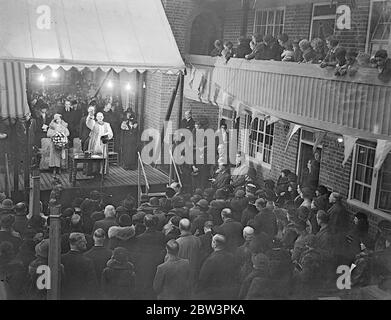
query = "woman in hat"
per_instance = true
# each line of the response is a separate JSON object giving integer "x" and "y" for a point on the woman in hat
{"x": 58, "y": 132}
{"x": 118, "y": 278}
{"x": 129, "y": 145}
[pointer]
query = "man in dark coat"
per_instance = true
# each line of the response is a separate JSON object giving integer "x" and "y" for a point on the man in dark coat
{"x": 42, "y": 121}
{"x": 222, "y": 177}
{"x": 188, "y": 122}
{"x": 80, "y": 281}
{"x": 189, "y": 248}
{"x": 98, "y": 253}
{"x": 20, "y": 224}
{"x": 149, "y": 254}
{"x": 339, "y": 225}
{"x": 339, "y": 220}
{"x": 108, "y": 221}
{"x": 72, "y": 115}
{"x": 206, "y": 241}
{"x": 172, "y": 279}
{"x": 7, "y": 233}
{"x": 218, "y": 275}
{"x": 231, "y": 229}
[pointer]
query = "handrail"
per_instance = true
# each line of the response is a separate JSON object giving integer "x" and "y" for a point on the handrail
{"x": 175, "y": 168}
{"x": 143, "y": 170}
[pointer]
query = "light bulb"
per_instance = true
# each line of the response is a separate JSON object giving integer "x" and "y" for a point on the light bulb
{"x": 128, "y": 87}
{"x": 55, "y": 74}
{"x": 42, "y": 78}
{"x": 340, "y": 140}
{"x": 110, "y": 84}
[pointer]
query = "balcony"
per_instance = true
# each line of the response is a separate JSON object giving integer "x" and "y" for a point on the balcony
{"x": 306, "y": 94}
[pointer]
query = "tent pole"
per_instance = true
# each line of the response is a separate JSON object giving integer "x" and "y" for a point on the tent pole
{"x": 181, "y": 93}
{"x": 54, "y": 253}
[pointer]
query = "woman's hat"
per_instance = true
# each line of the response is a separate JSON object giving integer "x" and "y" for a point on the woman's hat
{"x": 121, "y": 255}
{"x": 42, "y": 249}
{"x": 7, "y": 204}
{"x": 203, "y": 204}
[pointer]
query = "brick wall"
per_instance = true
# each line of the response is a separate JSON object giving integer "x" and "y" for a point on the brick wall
{"x": 298, "y": 21}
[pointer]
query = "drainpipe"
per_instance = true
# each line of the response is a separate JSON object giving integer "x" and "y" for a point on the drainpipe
{"x": 245, "y": 9}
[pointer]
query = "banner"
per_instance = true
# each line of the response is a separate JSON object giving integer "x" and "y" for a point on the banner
{"x": 383, "y": 148}
{"x": 272, "y": 119}
{"x": 292, "y": 130}
{"x": 319, "y": 136}
{"x": 349, "y": 143}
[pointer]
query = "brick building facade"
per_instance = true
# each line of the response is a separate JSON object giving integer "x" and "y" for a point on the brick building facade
{"x": 299, "y": 22}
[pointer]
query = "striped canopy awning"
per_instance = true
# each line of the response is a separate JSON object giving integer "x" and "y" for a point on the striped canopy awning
{"x": 13, "y": 96}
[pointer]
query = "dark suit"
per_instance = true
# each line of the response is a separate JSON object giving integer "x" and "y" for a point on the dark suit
{"x": 105, "y": 224}
{"x": 188, "y": 124}
{"x": 232, "y": 230}
{"x": 79, "y": 277}
{"x": 172, "y": 280}
{"x": 150, "y": 252}
{"x": 84, "y": 133}
{"x": 72, "y": 117}
{"x": 39, "y": 133}
{"x": 99, "y": 257}
{"x": 223, "y": 180}
{"x": 218, "y": 276}
{"x": 206, "y": 245}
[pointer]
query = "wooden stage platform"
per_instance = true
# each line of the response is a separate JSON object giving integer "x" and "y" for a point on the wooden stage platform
{"x": 117, "y": 177}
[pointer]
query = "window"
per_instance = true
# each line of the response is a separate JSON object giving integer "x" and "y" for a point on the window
{"x": 384, "y": 195}
{"x": 368, "y": 188}
{"x": 269, "y": 22}
{"x": 379, "y": 26}
{"x": 261, "y": 140}
{"x": 323, "y": 20}
{"x": 363, "y": 172}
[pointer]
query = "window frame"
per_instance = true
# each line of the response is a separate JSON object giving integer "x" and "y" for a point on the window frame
{"x": 268, "y": 10}
{"x": 248, "y": 141}
{"x": 325, "y": 17}
{"x": 373, "y": 199}
{"x": 368, "y": 40}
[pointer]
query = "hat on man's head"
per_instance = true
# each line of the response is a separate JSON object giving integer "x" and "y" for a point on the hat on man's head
{"x": 204, "y": 204}
{"x": 125, "y": 221}
{"x": 196, "y": 198}
{"x": 170, "y": 192}
{"x": 2, "y": 196}
{"x": 7, "y": 220}
{"x": 220, "y": 194}
{"x": 7, "y": 204}
{"x": 42, "y": 249}
{"x": 240, "y": 194}
{"x": 154, "y": 201}
{"x": 251, "y": 188}
{"x": 121, "y": 210}
{"x": 138, "y": 217}
{"x": 121, "y": 255}
{"x": 94, "y": 195}
{"x": 381, "y": 54}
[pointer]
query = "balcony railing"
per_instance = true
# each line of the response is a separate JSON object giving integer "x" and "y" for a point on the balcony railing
{"x": 306, "y": 94}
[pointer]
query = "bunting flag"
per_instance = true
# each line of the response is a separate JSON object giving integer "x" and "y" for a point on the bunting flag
{"x": 382, "y": 149}
{"x": 272, "y": 119}
{"x": 319, "y": 136}
{"x": 216, "y": 93}
{"x": 192, "y": 76}
{"x": 349, "y": 143}
{"x": 293, "y": 128}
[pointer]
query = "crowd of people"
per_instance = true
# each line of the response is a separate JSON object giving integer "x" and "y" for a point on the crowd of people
{"x": 68, "y": 115}
{"x": 275, "y": 240}
{"x": 328, "y": 53}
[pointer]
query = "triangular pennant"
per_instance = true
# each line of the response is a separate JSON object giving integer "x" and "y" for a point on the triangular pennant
{"x": 349, "y": 143}
{"x": 293, "y": 128}
{"x": 382, "y": 149}
{"x": 272, "y": 119}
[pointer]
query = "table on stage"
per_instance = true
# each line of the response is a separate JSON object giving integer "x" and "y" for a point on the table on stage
{"x": 80, "y": 158}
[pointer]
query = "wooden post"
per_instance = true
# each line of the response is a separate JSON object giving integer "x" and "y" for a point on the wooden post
{"x": 139, "y": 190}
{"x": 27, "y": 160}
{"x": 181, "y": 93}
{"x": 54, "y": 253}
{"x": 7, "y": 176}
{"x": 35, "y": 191}
{"x": 16, "y": 158}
